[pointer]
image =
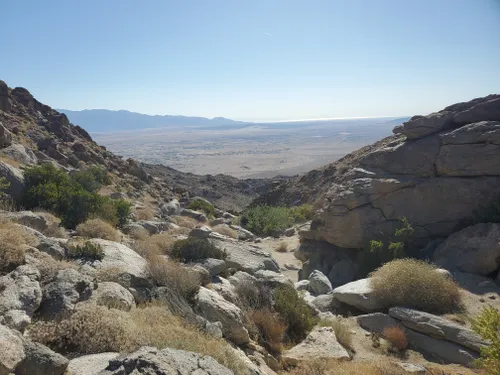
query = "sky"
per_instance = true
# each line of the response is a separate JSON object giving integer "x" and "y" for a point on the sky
{"x": 253, "y": 60}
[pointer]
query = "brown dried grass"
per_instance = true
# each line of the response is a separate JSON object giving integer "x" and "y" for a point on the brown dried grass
{"x": 396, "y": 336}
{"x": 225, "y": 230}
{"x": 271, "y": 329}
{"x": 98, "y": 228}
{"x": 12, "y": 245}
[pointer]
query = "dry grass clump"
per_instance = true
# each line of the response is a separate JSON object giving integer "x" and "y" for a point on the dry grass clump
{"x": 144, "y": 213}
{"x": 253, "y": 296}
{"x": 54, "y": 228}
{"x": 46, "y": 265}
{"x": 157, "y": 244}
{"x": 185, "y": 221}
{"x": 396, "y": 336}
{"x": 10, "y": 161}
{"x": 270, "y": 329}
{"x": 282, "y": 247}
{"x": 9, "y": 204}
{"x": 415, "y": 284}
{"x": 98, "y": 228}
{"x": 333, "y": 367}
{"x": 12, "y": 249}
{"x": 140, "y": 234}
{"x": 95, "y": 329}
{"x": 109, "y": 274}
{"x": 225, "y": 230}
{"x": 342, "y": 331}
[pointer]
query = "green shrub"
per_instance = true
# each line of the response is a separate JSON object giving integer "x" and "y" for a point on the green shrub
{"x": 199, "y": 204}
{"x": 487, "y": 324}
{"x": 295, "y": 313}
{"x": 415, "y": 284}
{"x": 73, "y": 198}
{"x": 4, "y": 184}
{"x": 87, "y": 250}
{"x": 302, "y": 213}
{"x": 195, "y": 249}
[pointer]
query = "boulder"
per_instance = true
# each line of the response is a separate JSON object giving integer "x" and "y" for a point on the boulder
{"x": 321, "y": 343}
{"x": 342, "y": 273}
{"x": 302, "y": 285}
{"x": 20, "y": 296}
{"x": 11, "y": 350}
{"x": 148, "y": 360}
{"x": 200, "y": 216}
{"x": 358, "y": 294}
{"x": 5, "y": 135}
{"x": 114, "y": 296}
{"x": 213, "y": 266}
{"x": 5, "y": 104}
{"x": 323, "y": 302}
{"x": 171, "y": 208}
{"x": 41, "y": 360}
{"x": 15, "y": 179}
{"x": 215, "y": 308}
{"x": 200, "y": 232}
{"x": 412, "y": 369}
{"x": 91, "y": 364}
{"x": 227, "y": 215}
{"x": 475, "y": 249}
{"x": 243, "y": 234}
{"x": 227, "y": 290}
{"x": 55, "y": 248}
{"x": 61, "y": 295}
{"x": 240, "y": 278}
{"x": 246, "y": 257}
{"x": 134, "y": 268}
{"x": 28, "y": 218}
{"x": 376, "y": 322}
{"x": 438, "y": 327}
{"x": 319, "y": 283}
{"x": 485, "y": 110}
{"x": 421, "y": 126}
{"x": 271, "y": 278}
{"x": 19, "y": 153}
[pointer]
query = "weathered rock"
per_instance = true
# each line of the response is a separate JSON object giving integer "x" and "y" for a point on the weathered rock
{"x": 246, "y": 257}
{"x": 227, "y": 215}
{"x": 485, "y": 111}
{"x": 420, "y": 126}
{"x": 90, "y": 364}
{"x": 358, "y": 294}
{"x": 148, "y": 360}
{"x": 412, "y": 369}
{"x": 29, "y": 219}
{"x": 240, "y": 278}
{"x": 321, "y": 343}
{"x": 5, "y": 104}
{"x": 215, "y": 308}
{"x": 171, "y": 208}
{"x": 324, "y": 302}
{"x": 289, "y": 232}
{"x": 118, "y": 256}
{"x": 41, "y": 360}
{"x": 475, "y": 249}
{"x": 302, "y": 285}
{"x": 61, "y": 295}
{"x": 19, "y": 153}
{"x": 113, "y": 295}
{"x": 214, "y": 266}
{"x": 271, "y": 278}
{"x": 319, "y": 283}
{"x": 5, "y": 135}
{"x": 243, "y": 234}
{"x": 200, "y": 216}
{"x": 200, "y": 232}
{"x": 376, "y": 322}
{"x": 342, "y": 273}
{"x": 15, "y": 179}
{"x": 52, "y": 246}
{"x": 11, "y": 350}
{"x": 20, "y": 296}
{"x": 437, "y": 327}
{"x": 225, "y": 289}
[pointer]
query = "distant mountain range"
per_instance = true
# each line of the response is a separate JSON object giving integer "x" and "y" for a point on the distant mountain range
{"x": 104, "y": 120}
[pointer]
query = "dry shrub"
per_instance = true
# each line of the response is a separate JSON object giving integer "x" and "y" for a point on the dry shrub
{"x": 10, "y": 161}
{"x": 180, "y": 280}
{"x": 144, "y": 213}
{"x": 334, "y": 367}
{"x": 97, "y": 228}
{"x": 271, "y": 329}
{"x": 95, "y": 329}
{"x": 253, "y": 296}
{"x": 185, "y": 222}
{"x": 9, "y": 204}
{"x": 110, "y": 274}
{"x": 282, "y": 247}
{"x": 341, "y": 329}
{"x": 54, "y": 228}
{"x": 12, "y": 245}
{"x": 157, "y": 244}
{"x": 140, "y": 234}
{"x": 415, "y": 284}
{"x": 225, "y": 230}
{"x": 396, "y": 336}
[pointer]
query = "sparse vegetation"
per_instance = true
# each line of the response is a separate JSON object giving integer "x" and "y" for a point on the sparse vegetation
{"x": 415, "y": 284}
{"x": 254, "y": 296}
{"x": 185, "y": 222}
{"x": 73, "y": 198}
{"x": 266, "y": 220}
{"x": 4, "y": 184}
{"x": 295, "y": 313}
{"x": 157, "y": 244}
{"x": 86, "y": 250}
{"x": 140, "y": 234}
{"x": 342, "y": 331}
{"x": 396, "y": 337}
{"x": 201, "y": 205}
{"x": 271, "y": 329}
{"x": 487, "y": 324}
{"x": 282, "y": 247}
{"x": 95, "y": 329}
{"x": 144, "y": 213}
{"x": 333, "y": 367}
{"x": 225, "y": 230}
{"x": 97, "y": 228}
{"x": 54, "y": 228}
{"x": 12, "y": 246}
{"x": 194, "y": 249}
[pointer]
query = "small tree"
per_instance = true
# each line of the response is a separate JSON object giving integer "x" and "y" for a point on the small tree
{"x": 487, "y": 324}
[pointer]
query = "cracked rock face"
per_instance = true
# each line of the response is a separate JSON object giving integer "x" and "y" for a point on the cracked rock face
{"x": 436, "y": 172}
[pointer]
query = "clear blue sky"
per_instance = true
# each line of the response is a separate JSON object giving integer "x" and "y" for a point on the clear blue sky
{"x": 254, "y": 59}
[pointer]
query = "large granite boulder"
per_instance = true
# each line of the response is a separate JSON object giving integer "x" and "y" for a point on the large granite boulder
{"x": 19, "y": 153}
{"x": 148, "y": 360}
{"x": 11, "y": 350}
{"x": 215, "y": 308}
{"x": 475, "y": 249}
{"x": 5, "y": 136}
{"x": 358, "y": 294}
{"x": 91, "y": 364}
{"x": 321, "y": 343}
{"x": 15, "y": 179}
{"x": 113, "y": 295}
{"x": 41, "y": 360}
{"x": 5, "y": 104}
{"x": 319, "y": 283}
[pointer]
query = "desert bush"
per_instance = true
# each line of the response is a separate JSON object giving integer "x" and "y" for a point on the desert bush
{"x": 4, "y": 185}
{"x": 97, "y": 228}
{"x": 73, "y": 198}
{"x": 194, "y": 249}
{"x": 178, "y": 279}
{"x": 396, "y": 337}
{"x": 110, "y": 274}
{"x": 341, "y": 329}
{"x": 96, "y": 329}
{"x": 12, "y": 246}
{"x": 140, "y": 234}
{"x": 271, "y": 329}
{"x": 157, "y": 244}
{"x": 225, "y": 230}
{"x": 333, "y": 367}
{"x": 201, "y": 205}
{"x": 487, "y": 324}
{"x": 302, "y": 213}
{"x": 282, "y": 247}
{"x": 185, "y": 222}
{"x": 295, "y": 313}
{"x": 144, "y": 213}
{"x": 54, "y": 228}
{"x": 254, "y": 296}
{"x": 86, "y": 250}
{"x": 415, "y": 284}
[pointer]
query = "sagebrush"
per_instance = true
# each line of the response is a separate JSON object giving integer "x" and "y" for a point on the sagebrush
{"x": 487, "y": 324}
{"x": 195, "y": 249}
{"x": 98, "y": 228}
